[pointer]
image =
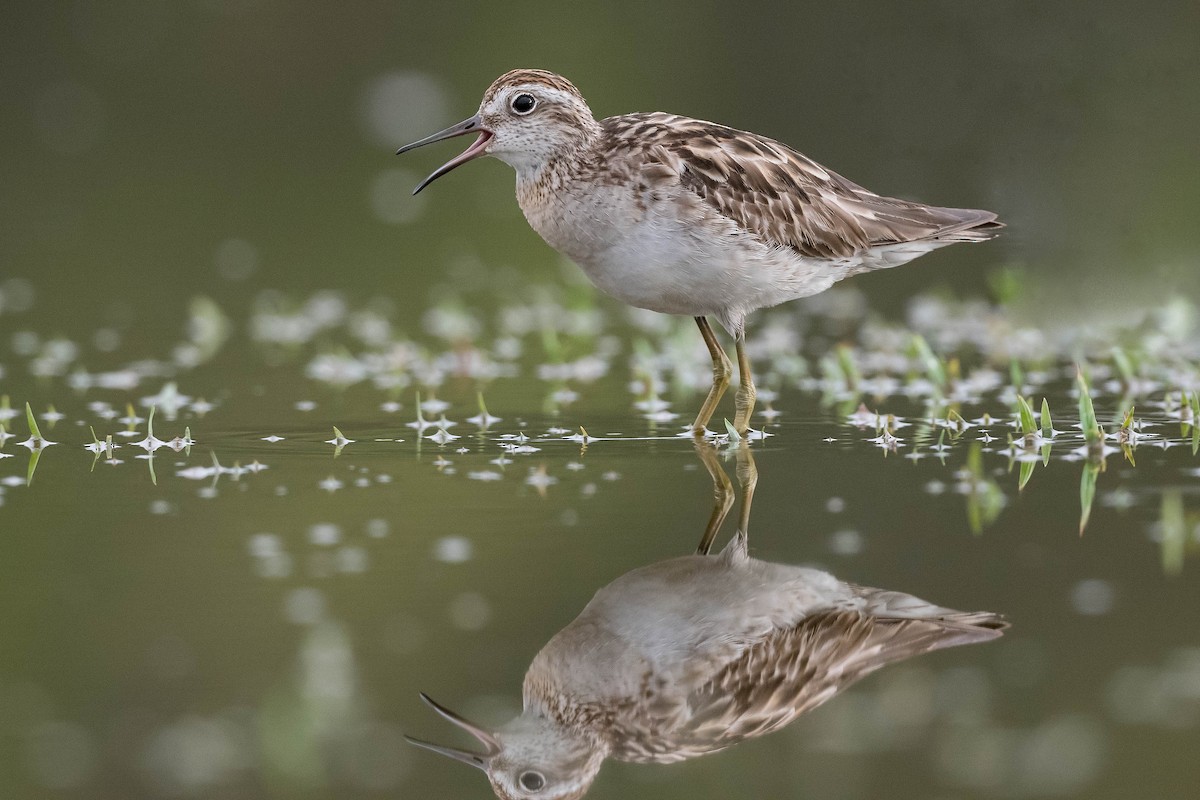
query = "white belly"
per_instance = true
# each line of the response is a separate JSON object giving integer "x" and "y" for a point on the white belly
{"x": 677, "y": 256}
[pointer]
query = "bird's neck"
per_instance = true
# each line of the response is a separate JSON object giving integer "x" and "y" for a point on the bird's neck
{"x": 558, "y": 168}
{"x": 587, "y": 721}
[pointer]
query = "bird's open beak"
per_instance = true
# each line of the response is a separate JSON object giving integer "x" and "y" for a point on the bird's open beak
{"x": 472, "y": 125}
{"x": 477, "y": 760}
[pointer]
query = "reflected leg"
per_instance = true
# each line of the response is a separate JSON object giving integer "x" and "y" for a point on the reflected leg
{"x": 746, "y": 391}
{"x": 747, "y": 474}
{"x": 722, "y": 370}
{"x": 722, "y": 494}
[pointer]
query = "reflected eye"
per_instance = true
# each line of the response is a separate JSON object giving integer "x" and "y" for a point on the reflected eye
{"x": 523, "y": 104}
{"x": 532, "y": 781}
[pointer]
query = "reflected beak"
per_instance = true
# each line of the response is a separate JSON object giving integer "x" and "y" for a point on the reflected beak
{"x": 477, "y": 760}
{"x": 472, "y": 125}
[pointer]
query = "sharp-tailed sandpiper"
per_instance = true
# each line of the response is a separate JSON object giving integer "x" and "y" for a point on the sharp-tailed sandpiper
{"x": 686, "y": 657}
{"x": 688, "y": 217}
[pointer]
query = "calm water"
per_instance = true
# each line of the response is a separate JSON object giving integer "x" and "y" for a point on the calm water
{"x": 201, "y": 215}
{"x": 250, "y": 617}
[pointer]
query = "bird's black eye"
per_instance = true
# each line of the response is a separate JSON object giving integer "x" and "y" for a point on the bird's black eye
{"x": 532, "y": 781}
{"x": 523, "y": 104}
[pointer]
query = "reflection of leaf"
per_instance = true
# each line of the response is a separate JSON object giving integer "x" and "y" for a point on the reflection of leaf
{"x": 1087, "y": 491}
{"x": 985, "y": 498}
{"x": 34, "y": 455}
{"x": 1174, "y": 532}
{"x": 1087, "y": 413}
{"x": 1026, "y": 473}
{"x": 1025, "y": 415}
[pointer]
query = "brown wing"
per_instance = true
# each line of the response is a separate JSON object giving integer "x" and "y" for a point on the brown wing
{"x": 780, "y": 195}
{"x": 800, "y": 668}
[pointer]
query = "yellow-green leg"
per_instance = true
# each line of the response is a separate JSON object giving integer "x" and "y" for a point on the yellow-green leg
{"x": 747, "y": 473}
{"x": 722, "y": 370}
{"x": 722, "y": 494}
{"x": 746, "y": 391}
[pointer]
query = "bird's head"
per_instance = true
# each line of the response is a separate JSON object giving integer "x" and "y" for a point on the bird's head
{"x": 527, "y": 117}
{"x": 530, "y": 758}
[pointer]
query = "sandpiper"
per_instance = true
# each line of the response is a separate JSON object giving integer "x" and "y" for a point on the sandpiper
{"x": 688, "y": 656}
{"x": 688, "y": 217}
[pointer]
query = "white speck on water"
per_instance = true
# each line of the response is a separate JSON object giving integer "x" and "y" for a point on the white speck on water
{"x": 442, "y": 436}
{"x": 272, "y": 438}
{"x": 453, "y": 549}
{"x": 352, "y": 559}
{"x": 377, "y": 528}
{"x": 390, "y": 407}
{"x": 325, "y": 534}
{"x": 846, "y": 543}
{"x": 539, "y": 478}
{"x": 1093, "y": 597}
{"x": 305, "y": 405}
{"x": 262, "y": 545}
{"x": 161, "y": 507}
{"x": 330, "y": 484}
{"x": 274, "y": 566}
{"x": 485, "y": 475}
{"x": 470, "y": 611}
{"x": 835, "y": 505}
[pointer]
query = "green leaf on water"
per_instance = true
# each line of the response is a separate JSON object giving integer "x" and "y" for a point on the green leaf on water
{"x": 734, "y": 437}
{"x": 420, "y": 418}
{"x": 1087, "y": 413}
{"x": 845, "y": 361}
{"x": 33, "y": 426}
{"x": 1047, "y": 424}
{"x": 1124, "y": 365}
{"x": 1016, "y": 375}
{"x": 1127, "y": 421}
{"x": 1025, "y": 416}
{"x": 935, "y": 368}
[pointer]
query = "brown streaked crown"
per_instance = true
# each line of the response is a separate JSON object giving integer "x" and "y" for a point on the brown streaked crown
{"x": 520, "y": 77}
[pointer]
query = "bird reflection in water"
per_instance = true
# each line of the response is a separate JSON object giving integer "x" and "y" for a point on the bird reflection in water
{"x": 688, "y": 656}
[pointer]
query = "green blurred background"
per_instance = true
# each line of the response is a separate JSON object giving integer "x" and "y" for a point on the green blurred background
{"x": 150, "y": 151}
{"x": 166, "y": 148}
